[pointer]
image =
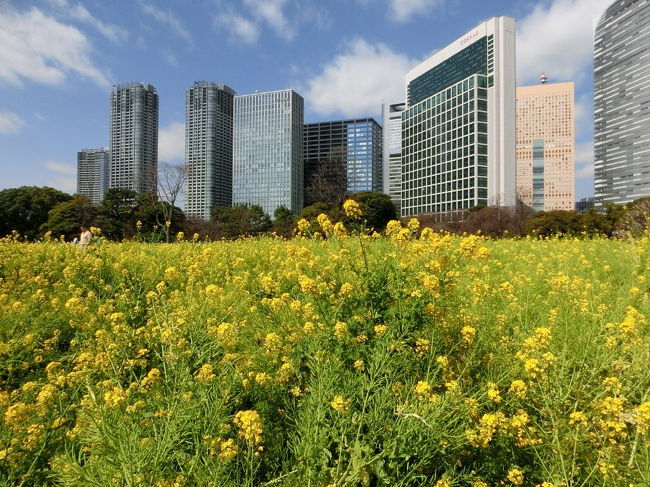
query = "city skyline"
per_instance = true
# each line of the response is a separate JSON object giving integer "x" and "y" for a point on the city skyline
{"x": 281, "y": 53}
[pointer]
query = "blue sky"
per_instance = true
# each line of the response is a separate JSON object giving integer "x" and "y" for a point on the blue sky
{"x": 59, "y": 58}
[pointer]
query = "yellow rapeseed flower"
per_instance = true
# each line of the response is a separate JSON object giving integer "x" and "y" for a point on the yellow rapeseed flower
{"x": 352, "y": 209}
{"x": 515, "y": 476}
{"x": 340, "y": 404}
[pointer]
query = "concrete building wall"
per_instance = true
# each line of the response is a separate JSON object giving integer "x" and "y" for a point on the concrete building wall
{"x": 546, "y": 128}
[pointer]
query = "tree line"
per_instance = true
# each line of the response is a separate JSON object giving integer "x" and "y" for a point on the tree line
{"x": 123, "y": 215}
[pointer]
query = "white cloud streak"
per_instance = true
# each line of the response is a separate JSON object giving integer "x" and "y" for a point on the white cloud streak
{"x": 10, "y": 123}
{"x": 283, "y": 17}
{"x": 240, "y": 28}
{"x": 168, "y": 19}
{"x": 272, "y": 13}
{"x": 557, "y": 38}
{"x": 171, "y": 142}
{"x": 37, "y": 47}
{"x": 61, "y": 167}
{"x": 113, "y": 33}
{"x": 406, "y": 10}
{"x": 355, "y": 82}
{"x": 80, "y": 13}
{"x": 66, "y": 176}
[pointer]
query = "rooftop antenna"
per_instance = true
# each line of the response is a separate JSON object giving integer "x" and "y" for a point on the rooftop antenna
{"x": 544, "y": 79}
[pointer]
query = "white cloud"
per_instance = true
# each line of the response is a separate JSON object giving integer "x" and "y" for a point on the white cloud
{"x": 585, "y": 160}
{"x": 61, "y": 167}
{"x": 557, "y": 39}
{"x": 79, "y": 13}
{"x": 37, "y": 47}
{"x": 241, "y": 29}
{"x": 66, "y": 179}
{"x": 355, "y": 82}
{"x": 171, "y": 142}
{"x": 113, "y": 33}
{"x": 168, "y": 19}
{"x": 271, "y": 12}
{"x": 284, "y": 17}
{"x": 10, "y": 123}
{"x": 405, "y": 10}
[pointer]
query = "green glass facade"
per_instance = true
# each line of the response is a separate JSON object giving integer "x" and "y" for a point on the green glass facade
{"x": 445, "y": 152}
{"x": 474, "y": 59}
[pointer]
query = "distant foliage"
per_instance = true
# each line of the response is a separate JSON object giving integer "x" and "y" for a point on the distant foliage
{"x": 26, "y": 209}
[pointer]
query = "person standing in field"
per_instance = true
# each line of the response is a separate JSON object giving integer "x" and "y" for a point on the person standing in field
{"x": 85, "y": 237}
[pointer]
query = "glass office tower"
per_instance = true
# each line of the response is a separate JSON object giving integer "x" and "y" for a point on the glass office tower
{"x": 134, "y": 137}
{"x": 622, "y": 103}
{"x": 357, "y": 143}
{"x": 268, "y": 150}
{"x": 93, "y": 174}
{"x": 458, "y": 131}
{"x": 208, "y": 148}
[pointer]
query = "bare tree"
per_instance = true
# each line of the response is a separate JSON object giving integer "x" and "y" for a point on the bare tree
{"x": 329, "y": 183}
{"x": 171, "y": 180}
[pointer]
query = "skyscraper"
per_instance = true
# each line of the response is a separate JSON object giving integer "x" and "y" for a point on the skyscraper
{"x": 546, "y": 146}
{"x": 355, "y": 144}
{"x": 268, "y": 150}
{"x": 134, "y": 137}
{"x": 93, "y": 174}
{"x": 392, "y": 152}
{"x": 622, "y": 103}
{"x": 458, "y": 132}
{"x": 208, "y": 148}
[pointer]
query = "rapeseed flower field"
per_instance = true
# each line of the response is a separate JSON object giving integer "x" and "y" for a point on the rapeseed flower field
{"x": 338, "y": 358}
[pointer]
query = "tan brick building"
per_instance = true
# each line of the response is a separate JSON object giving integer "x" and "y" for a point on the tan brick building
{"x": 546, "y": 146}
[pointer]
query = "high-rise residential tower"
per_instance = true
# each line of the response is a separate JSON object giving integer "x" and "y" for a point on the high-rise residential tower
{"x": 354, "y": 144}
{"x": 268, "y": 150}
{"x": 392, "y": 152}
{"x": 134, "y": 137}
{"x": 93, "y": 174}
{"x": 546, "y": 146}
{"x": 458, "y": 131}
{"x": 208, "y": 148}
{"x": 622, "y": 103}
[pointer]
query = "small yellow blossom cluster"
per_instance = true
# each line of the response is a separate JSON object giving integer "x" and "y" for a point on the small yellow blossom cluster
{"x": 205, "y": 374}
{"x": 340, "y": 329}
{"x": 352, "y": 209}
{"x": 422, "y": 346}
{"x": 517, "y": 427}
{"x": 223, "y": 449}
{"x": 515, "y": 476}
{"x": 340, "y": 404}
{"x": 534, "y": 355}
{"x": 424, "y": 392}
{"x": 468, "y": 333}
{"x": 325, "y": 224}
{"x": 627, "y": 331}
{"x": 518, "y": 388}
{"x": 249, "y": 424}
